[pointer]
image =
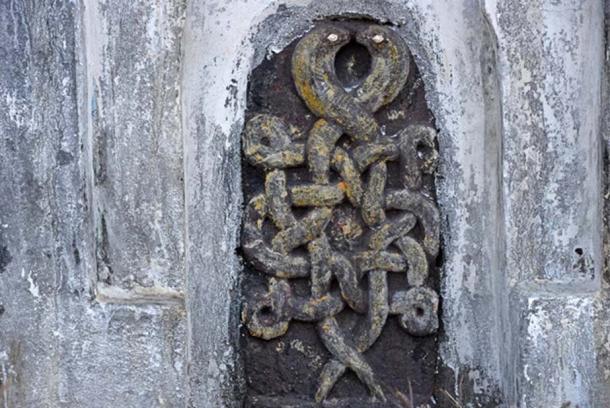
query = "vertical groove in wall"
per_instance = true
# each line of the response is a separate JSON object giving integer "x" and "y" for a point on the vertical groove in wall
{"x": 90, "y": 54}
{"x": 211, "y": 176}
{"x": 187, "y": 251}
{"x": 187, "y": 279}
{"x": 603, "y": 313}
{"x": 499, "y": 282}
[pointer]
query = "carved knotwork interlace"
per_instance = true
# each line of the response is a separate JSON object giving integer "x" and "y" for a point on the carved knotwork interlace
{"x": 343, "y": 228}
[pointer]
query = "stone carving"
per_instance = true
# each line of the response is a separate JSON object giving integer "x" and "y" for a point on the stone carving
{"x": 328, "y": 213}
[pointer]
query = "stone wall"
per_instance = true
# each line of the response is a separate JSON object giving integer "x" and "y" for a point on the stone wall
{"x": 120, "y": 196}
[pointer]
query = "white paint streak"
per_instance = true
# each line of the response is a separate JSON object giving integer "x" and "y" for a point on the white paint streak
{"x": 138, "y": 295}
{"x": 32, "y": 286}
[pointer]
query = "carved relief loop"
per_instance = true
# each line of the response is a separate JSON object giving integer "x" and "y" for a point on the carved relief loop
{"x": 341, "y": 225}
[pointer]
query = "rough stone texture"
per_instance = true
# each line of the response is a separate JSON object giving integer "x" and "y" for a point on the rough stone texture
{"x": 453, "y": 73}
{"x": 133, "y": 99}
{"x": 550, "y": 58}
{"x": 602, "y": 303}
{"x": 135, "y": 355}
{"x": 41, "y": 208}
{"x": 562, "y": 377}
{"x": 106, "y": 105}
{"x": 60, "y": 343}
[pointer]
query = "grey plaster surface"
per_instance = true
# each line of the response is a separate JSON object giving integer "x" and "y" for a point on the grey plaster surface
{"x": 132, "y": 53}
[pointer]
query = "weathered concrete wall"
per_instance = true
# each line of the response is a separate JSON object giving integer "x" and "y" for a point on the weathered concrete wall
{"x": 65, "y": 340}
{"x": 551, "y": 74}
{"x": 120, "y": 195}
{"x": 132, "y": 53}
{"x": 462, "y": 97}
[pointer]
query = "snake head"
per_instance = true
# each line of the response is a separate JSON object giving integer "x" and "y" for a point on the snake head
{"x": 376, "y": 37}
{"x": 332, "y": 37}
{"x": 389, "y": 68}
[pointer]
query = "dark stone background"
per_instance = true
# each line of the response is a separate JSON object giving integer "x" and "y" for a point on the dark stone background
{"x": 288, "y": 368}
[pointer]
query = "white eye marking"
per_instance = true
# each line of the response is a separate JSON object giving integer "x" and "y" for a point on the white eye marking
{"x": 332, "y": 37}
{"x": 378, "y": 38}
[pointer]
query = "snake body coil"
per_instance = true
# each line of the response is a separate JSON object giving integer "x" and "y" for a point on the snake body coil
{"x": 361, "y": 166}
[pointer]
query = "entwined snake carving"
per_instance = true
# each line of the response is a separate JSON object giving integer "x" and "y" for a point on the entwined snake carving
{"x": 342, "y": 177}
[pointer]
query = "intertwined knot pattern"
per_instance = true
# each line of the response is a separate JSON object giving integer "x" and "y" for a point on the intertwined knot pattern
{"x": 329, "y": 214}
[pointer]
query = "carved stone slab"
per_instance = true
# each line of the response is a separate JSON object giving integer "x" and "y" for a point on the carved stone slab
{"x": 341, "y": 230}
